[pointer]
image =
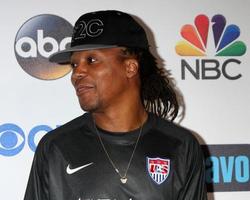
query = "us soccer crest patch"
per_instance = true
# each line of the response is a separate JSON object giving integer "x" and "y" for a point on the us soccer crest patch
{"x": 158, "y": 169}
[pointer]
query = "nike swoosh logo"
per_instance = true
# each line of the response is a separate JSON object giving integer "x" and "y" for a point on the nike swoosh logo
{"x": 72, "y": 171}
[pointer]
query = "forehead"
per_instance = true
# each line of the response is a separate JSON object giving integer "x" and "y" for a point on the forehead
{"x": 107, "y": 52}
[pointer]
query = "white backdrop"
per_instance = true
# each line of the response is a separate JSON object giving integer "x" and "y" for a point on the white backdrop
{"x": 217, "y": 110}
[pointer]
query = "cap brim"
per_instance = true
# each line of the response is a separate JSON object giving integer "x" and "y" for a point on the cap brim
{"x": 63, "y": 57}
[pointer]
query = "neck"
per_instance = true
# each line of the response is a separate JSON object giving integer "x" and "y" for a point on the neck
{"x": 121, "y": 119}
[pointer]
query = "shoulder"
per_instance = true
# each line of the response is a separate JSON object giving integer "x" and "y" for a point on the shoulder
{"x": 173, "y": 134}
{"x": 172, "y": 129}
{"x": 176, "y": 138}
{"x": 64, "y": 133}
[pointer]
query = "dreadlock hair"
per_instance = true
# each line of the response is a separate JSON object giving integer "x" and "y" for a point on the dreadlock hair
{"x": 157, "y": 94}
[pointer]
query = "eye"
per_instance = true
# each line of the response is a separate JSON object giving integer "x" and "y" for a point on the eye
{"x": 91, "y": 60}
{"x": 73, "y": 65}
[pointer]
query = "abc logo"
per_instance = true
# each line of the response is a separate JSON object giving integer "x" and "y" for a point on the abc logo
{"x": 36, "y": 40}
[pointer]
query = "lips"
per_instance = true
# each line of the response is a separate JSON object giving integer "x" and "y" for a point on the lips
{"x": 83, "y": 89}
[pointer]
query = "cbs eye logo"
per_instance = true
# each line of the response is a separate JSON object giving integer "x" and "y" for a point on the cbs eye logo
{"x": 10, "y": 137}
{"x": 13, "y": 139}
{"x": 36, "y": 40}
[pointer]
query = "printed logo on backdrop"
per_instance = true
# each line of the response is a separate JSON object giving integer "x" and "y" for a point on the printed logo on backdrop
{"x": 13, "y": 138}
{"x": 227, "y": 167}
{"x": 214, "y": 38}
{"x": 37, "y": 39}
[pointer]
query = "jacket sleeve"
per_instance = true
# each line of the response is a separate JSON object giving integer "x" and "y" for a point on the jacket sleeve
{"x": 37, "y": 187}
{"x": 195, "y": 186}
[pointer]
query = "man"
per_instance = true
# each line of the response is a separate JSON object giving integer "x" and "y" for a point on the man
{"x": 123, "y": 147}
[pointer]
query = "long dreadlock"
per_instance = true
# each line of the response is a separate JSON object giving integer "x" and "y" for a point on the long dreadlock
{"x": 157, "y": 94}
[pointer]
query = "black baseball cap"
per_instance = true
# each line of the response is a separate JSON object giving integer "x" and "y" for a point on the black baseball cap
{"x": 103, "y": 29}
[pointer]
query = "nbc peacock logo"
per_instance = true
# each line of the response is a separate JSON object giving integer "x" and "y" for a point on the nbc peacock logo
{"x": 223, "y": 43}
{"x": 225, "y": 38}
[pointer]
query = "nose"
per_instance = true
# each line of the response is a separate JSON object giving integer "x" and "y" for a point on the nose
{"x": 78, "y": 73}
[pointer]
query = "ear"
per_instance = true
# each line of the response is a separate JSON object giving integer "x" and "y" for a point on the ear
{"x": 132, "y": 67}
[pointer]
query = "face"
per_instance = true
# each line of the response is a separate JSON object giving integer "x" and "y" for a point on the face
{"x": 99, "y": 77}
